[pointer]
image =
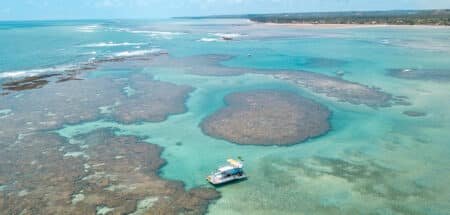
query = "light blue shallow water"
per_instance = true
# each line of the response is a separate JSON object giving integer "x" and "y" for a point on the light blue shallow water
{"x": 373, "y": 161}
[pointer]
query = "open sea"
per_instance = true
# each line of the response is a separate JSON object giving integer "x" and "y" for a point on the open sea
{"x": 387, "y": 159}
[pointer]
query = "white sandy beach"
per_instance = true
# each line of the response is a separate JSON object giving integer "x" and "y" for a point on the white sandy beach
{"x": 344, "y": 26}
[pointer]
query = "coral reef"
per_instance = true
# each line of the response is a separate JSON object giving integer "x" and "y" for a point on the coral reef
{"x": 151, "y": 100}
{"x": 55, "y": 105}
{"x": 267, "y": 118}
{"x": 97, "y": 173}
{"x": 77, "y": 101}
{"x": 344, "y": 91}
{"x": 333, "y": 87}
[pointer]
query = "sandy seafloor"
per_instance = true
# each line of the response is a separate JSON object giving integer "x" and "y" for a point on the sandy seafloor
{"x": 372, "y": 161}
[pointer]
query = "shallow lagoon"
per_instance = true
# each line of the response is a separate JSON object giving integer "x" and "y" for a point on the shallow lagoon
{"x": 372, "y": 161}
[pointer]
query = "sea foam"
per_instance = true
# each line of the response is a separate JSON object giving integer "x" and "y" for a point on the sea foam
{"x": 218, "y": 37}
{"x": 137, "y": 53}
{"x": 62, "y": 68}
{"x": 206, "y": 39}
{"x": 111, "y": 44}
{"x": 32, "y": 72}
{"x": 154, "y": 34}
{"x": 87, "y": 28}
{"x": 229, "y": 35}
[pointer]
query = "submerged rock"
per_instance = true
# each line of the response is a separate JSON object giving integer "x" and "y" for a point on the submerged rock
{"x": 71, "y": 73}
{"x": 344, "y": 91}
{"x": 414, "y": 113}
{"x": 345, "y": 178}
{"x": 340, "y": 73}
{"x": 77, "y": 101}
{"x": 437, "y": 75}
{"x": 267, "y": 118}
{"x": 55, "y": 105}
{"x": 151, "y": 100}
{"x": 210, "y": 65}
{"x": 332, "y": 87}
{"x": 317, "y": 62}
{"x": 28, "y": 83}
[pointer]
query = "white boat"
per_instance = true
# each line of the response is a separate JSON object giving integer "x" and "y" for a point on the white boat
{"x": 232, "y": 172}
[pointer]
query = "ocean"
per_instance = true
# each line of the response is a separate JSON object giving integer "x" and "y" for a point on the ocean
{"x": 378, "y": 157}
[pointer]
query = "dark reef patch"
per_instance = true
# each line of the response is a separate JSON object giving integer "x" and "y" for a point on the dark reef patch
{"x": 437, "y": 75}
{"x": 343, "y": 90}
{"x": 210, "y": 65}
{"x": 45, "y": 174}
{"x": 414, "y": 113}
{"x": 72, "y": 102}
{"x": 28, "y": 83}
{"x": 72, "y": 78}
{"x": 55, "y": 105}
{"x": 364, "y": 179}
{"x": 267, "y": 118}
{"x": 42, "y": 173}
{"x": 317, "y": 62}
{"x": 38, "y": 81}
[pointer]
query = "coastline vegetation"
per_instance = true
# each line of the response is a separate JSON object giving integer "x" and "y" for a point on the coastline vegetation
{"x": 397, "y": 17}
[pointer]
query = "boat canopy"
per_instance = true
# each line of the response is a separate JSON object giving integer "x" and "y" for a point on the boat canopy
{"x": 235, "y": 163}
{"x": 225, "y": 168}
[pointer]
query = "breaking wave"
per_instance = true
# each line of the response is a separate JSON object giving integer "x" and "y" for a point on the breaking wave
{"x": 67, "y": 67}
{"x": 155, "y": 34}
{"x": 209, "y": 39}
{"x": 33, "y": 72}
{"x": 87, "y": 28}
{"x": 111, "y": 44}
{"x": 228, "y": 35}
{"x": 138, "y": 53}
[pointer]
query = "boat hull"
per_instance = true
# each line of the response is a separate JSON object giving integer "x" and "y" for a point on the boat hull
{"x": 215, "y": 181}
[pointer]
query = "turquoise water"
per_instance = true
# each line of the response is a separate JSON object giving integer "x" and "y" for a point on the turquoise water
{"x": 373, "y": 161}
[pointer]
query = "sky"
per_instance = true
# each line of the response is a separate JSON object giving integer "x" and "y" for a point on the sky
{"x": 111, "y": 9}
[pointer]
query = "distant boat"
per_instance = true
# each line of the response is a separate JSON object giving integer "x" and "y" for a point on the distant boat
{"x": 231, "y": 172}
{"x": 227, "y": 38}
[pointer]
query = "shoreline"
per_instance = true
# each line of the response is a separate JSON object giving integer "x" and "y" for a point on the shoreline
{"x": 346, "y": 26}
